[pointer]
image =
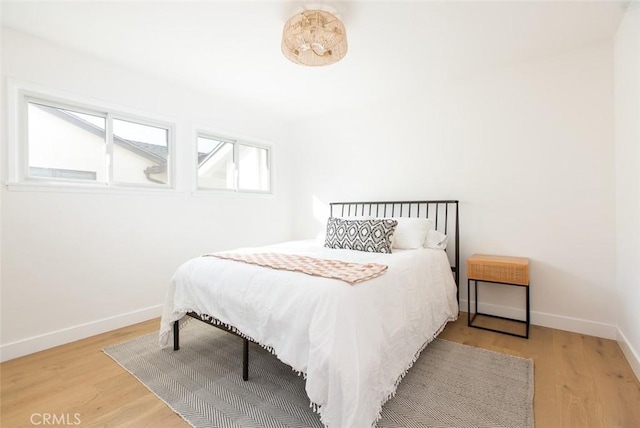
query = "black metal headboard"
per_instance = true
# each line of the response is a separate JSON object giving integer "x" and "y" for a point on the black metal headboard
{"x": 440, "y": 211}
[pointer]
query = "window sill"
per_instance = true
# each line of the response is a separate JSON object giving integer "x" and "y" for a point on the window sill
{"x": 213, "y": 193}
{"x": 87, "y": 188}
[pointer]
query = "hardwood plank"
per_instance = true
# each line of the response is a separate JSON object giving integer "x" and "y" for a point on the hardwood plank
{"x": 547, "y": 407}
{"x": 617, "y": 387}
{"x": 580, "y": 381}
{"x": 572, "y": 388}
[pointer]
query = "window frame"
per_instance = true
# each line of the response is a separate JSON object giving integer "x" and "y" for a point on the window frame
{"x": 21, "y": 94}
{"x": 201, "y": 132}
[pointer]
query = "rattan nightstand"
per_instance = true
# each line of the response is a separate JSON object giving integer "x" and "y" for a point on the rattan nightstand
{"x": 498, "y": 270}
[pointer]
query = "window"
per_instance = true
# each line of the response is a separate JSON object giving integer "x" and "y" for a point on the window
{"x": 139, "y": 148}
{"x": 60, "y": 141}
{"x": 63, "y": 140}
{"x": 62, "y": 173}
{"x": 226, "y": 164}
{"x": 253, "y": 168}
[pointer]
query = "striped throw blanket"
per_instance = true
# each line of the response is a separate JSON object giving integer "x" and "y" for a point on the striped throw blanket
{"x": 351, "y": 273}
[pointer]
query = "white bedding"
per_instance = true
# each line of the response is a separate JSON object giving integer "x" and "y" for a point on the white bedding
{"x": 353, "y": 343}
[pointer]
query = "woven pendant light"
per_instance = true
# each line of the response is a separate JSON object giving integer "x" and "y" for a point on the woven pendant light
{"x": 314, "y": 38}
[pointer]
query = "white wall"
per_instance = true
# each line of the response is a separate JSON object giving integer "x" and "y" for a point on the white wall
{"x": 75, "y": 264}
{"x": 528, "y": 151}
{"x": 627, "y": 162}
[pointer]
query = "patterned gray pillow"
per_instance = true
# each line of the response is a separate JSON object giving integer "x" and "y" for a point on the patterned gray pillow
{"x": 373, "y": 236}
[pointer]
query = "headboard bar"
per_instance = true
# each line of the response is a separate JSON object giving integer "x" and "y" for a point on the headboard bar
{"x": 406, "y": 207}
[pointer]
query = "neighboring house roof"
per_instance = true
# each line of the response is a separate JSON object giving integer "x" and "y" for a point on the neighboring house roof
{"x": 160, "y": 152}
{"x": 153, "y": 152}
{"x": 201, "y": 158}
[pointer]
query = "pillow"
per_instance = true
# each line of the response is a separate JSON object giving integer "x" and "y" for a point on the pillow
{"x": 411, "y": 232}
{"x": 322, "y": 235}
{"x": 373, "y": 235}
{"x": 436, "y": 240}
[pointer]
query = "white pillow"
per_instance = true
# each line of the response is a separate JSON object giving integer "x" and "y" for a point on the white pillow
{"x": 411, "y": 232}
{"x": 436, "y": 240}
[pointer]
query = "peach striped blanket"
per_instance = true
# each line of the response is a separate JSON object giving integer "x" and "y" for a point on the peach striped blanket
{"x": 351, "y": 273}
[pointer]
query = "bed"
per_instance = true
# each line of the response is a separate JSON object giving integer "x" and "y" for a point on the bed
{"x": 353, "y": 343}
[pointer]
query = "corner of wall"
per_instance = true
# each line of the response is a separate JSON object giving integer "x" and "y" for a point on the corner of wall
{"x": 633, "y": 358}
{"x": 627, "y": 160}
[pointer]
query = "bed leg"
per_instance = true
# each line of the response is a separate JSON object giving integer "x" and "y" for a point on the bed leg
{"x": 245, "y": 360}
{"x": 176, "y": 335}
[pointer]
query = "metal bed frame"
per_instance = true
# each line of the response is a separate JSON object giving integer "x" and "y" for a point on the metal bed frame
{"x": 437, "y": 210}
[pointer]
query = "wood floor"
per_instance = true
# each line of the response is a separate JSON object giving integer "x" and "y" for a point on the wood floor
{"x": 580, "y": 381}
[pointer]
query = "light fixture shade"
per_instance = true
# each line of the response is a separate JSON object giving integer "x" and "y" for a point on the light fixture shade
{"x": 314, "y": 37}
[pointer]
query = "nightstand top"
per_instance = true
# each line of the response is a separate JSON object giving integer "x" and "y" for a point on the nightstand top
{"x": 492, "y": 259}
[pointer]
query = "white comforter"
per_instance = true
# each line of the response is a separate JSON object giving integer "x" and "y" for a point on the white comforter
{"x": 353, "y": 343}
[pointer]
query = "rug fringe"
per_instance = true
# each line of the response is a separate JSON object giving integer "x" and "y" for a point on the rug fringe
{"x": 317, "y": 408}
{"x": 210, "y": 319}
{"x": 391, "y": 394}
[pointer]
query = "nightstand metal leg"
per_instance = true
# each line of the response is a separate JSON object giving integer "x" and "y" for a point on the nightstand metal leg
{"x": 475, "y": 287}
{"x": 472, "y": 316}
{"x": 528, "y": 313}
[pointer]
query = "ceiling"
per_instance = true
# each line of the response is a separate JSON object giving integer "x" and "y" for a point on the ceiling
{"x": 232, "y": 48}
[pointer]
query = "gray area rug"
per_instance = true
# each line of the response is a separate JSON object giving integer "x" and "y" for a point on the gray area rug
{"x": 451, "y": 385}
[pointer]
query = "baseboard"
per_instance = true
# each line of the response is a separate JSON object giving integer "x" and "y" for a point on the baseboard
{"x": 30, "y": 345}
{"x": 41, "y": 342}
{"x": 632, "y": 356}
{"x": 576, "y": 325}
